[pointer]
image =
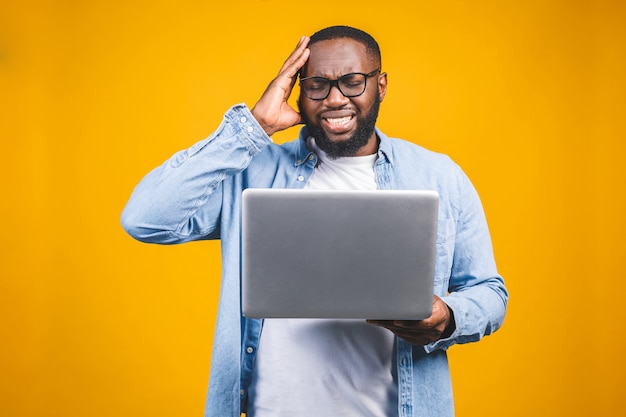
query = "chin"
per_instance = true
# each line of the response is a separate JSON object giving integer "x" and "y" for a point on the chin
{"x": 349, "y": 143}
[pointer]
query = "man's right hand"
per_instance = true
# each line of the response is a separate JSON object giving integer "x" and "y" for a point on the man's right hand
{"x": 272, "y": 110}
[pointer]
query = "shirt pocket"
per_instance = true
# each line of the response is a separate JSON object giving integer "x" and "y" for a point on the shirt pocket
{"x": 446, "y": 233}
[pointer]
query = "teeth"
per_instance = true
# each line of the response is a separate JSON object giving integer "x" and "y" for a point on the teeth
{"x": 339, "y": 121}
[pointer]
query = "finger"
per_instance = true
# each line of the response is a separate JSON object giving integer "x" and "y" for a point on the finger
{"x": 401, "y": 324}
{"x": 407, "y": 327}
{"x": 296, "y": 59}
{"x": 439, "y": 315}
{"x": 296, "y": 53}
{"x": 393, "y": 326}
{"x": 416, "y": 336}
{"x": 379, "y": 322}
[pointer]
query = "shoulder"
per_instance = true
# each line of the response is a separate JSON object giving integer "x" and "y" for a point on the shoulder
{"x": 416, "y": 167}
{"x": 405, "y": 153}
{"x": 280, "y": 152}
{"x": 274, "y": 162}
{"x": 290, "y": 151}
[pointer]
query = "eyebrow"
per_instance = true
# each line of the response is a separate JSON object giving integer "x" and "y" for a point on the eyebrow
{"x": 351, "y": 71}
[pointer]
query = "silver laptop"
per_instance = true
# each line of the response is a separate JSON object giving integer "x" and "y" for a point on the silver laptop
{"x": 338, "y": 254}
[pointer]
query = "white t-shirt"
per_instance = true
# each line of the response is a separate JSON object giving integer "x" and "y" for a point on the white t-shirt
{"x": 321, "y": 367}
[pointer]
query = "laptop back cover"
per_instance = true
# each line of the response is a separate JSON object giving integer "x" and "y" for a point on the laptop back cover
{"x": 338, "y": 254}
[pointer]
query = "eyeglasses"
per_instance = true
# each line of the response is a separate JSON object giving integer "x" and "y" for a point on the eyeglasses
{"x": 350, "y": 85}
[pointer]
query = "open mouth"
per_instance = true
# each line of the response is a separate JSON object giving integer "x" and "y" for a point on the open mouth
{"x": 338, "y": 121}
{"x": 339, "y": 124}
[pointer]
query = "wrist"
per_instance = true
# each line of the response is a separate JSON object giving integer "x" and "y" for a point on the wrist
{"x": 450, "y": 326}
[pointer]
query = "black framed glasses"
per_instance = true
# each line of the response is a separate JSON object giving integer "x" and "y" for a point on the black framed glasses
{"x": 350, "y": 85}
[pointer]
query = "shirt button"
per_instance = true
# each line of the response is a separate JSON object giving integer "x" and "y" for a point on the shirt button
{"x": 250, "y": 129}
{"x": 300, "y": 178}
{"x": 243, "y": 120}
{"x": 250, "y": 349}
{"x": 311, "y": 157}
{"x": 242, "y": 392}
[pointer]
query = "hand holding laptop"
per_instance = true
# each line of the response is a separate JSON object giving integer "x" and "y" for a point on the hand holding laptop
{"x": 421, "y": 332}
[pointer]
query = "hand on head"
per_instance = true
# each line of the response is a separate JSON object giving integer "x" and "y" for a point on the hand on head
{"x": 272, "y": 111}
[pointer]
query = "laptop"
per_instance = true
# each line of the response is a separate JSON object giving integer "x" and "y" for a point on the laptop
{"x": 338, "y": 254}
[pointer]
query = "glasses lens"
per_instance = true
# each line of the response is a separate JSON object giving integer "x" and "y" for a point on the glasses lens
{"x": 352, "y": 85}
{"x": 316, "y": 88}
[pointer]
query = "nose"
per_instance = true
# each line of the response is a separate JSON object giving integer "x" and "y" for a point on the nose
{"x": 336, "y": 98}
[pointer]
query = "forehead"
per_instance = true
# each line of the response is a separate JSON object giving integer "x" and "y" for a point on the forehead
{"x": 336, "y": 57}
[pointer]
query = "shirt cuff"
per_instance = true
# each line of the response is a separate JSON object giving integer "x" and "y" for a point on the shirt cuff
{"x": 448, "y": 340}
{"x": 247, "y": 128}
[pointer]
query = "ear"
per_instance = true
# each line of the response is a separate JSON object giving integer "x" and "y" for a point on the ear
{"x": 382, "y": 85}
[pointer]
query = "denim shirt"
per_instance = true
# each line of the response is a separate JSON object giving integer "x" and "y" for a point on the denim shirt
{"x": 196, "y": 194}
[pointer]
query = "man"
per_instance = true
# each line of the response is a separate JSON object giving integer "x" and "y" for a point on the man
{"x": 283, "y": 367}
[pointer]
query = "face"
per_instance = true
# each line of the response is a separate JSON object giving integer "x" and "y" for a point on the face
{"x": 343, "y": 126}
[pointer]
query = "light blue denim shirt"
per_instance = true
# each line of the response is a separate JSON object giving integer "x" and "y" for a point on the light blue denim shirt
{"x": 196, "y": 194}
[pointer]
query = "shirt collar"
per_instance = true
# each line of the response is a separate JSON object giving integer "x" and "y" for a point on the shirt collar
{"x": 385, "y": 151}
{"x": 302, "y": 151}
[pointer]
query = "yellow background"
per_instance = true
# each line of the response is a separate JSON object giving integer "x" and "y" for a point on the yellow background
{"x": 528, "y": 96}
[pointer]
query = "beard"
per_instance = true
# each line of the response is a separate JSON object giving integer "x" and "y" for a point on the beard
{"x": 350, "y": 146}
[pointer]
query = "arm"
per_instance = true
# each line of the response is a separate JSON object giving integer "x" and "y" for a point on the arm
{"x": 476, "y": 301}
{"x": 477, "y": 294}
{"x": 181, "y": 200}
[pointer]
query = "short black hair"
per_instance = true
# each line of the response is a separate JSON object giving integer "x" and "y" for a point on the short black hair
{"x": 336, "y": 32}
